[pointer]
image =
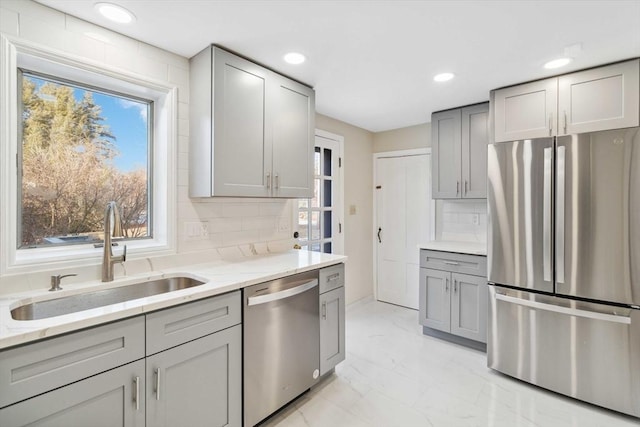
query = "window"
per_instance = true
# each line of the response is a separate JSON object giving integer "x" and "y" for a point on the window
{"x": 73, "y": 136}
{"x": 80, "y": 148}
{"x": 319, "y": 225}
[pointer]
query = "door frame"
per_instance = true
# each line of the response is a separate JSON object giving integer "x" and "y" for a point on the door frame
{"x": 337, "y": 246}
{"x": 432, "y": 228}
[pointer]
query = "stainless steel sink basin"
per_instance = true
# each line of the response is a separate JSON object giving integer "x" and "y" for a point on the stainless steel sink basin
{"x": 88, "y": 300}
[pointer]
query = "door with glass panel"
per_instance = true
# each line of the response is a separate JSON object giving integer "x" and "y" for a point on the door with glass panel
{"x": 319, "y": 218}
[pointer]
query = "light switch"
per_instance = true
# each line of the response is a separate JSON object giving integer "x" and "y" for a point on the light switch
{"x": 352, "y": 209}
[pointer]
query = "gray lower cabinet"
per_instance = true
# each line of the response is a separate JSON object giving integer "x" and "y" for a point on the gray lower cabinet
{"x": 452, "y": 301}
{"x": 112, "y": 399}
{"x": 191, "y": 376}
{"x": 332, "y": 317}
{"x": 197, "y": 383}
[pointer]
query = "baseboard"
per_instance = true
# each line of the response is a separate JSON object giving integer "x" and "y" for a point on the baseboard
{"x": 476, "y": 345}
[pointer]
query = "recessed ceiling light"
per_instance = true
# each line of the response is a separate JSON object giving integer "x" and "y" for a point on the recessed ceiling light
{"x": 294, "y": 58}
{"x": 443, "y": 77}
{"x": 115, "y": 13}
{"x": 557, "y": 63}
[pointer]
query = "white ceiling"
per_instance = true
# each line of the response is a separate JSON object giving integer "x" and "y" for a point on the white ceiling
{"x": 372, "y": 62}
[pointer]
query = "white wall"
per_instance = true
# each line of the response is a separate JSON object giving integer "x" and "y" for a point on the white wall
{"x": 235, "y": 225}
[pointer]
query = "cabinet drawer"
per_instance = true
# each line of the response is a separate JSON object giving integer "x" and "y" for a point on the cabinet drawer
{"x": 331, "y": 278}
{"x": 35, "y": 368}
{"x": 458, "y": 263}
{"x": 177, "y": 325}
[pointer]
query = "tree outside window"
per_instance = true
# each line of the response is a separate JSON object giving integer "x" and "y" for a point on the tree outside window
{"x": 81, "y": 148}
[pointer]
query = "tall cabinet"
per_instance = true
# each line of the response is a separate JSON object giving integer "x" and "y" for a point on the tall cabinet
{"x": 251, "y": 129}
{"x": 459, "y": 139}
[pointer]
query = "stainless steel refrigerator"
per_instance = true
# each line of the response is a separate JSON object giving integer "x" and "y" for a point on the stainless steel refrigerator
{"x": 564, "y": 264}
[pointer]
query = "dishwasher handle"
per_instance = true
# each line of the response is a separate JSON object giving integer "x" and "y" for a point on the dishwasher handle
{"x": 286, "y": 293}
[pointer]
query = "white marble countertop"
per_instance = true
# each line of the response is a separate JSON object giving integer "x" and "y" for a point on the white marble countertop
{"x": 220, "y": 276}
{"x": 472, "y": 248}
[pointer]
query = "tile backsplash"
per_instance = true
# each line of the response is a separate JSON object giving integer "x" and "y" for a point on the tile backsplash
{"x": 461, "y": 220}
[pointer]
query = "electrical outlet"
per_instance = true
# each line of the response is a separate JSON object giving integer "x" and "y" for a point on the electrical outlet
{"x": 204, "y": 229}
{"x": 352, "y": 209}
{"x": 197, "y": 230}
{"x": 475, "y": 219}
{"x": 283, "y": 224}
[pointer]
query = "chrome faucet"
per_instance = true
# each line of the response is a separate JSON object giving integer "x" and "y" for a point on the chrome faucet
{"x": 107, "y": 255}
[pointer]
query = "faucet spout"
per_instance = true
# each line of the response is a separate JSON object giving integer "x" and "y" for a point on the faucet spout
{"x": 108, "y": 259}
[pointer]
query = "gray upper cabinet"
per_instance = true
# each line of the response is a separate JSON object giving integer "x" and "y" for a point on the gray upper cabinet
{"x": 446, "y": 144}
{"x": 251, "y": 130}
{"x": 586, "y": 101}
{"x": 197, "y": 383}
{"x": 112, "y": 399}
{"x": 525, "y": 111}
{"x": 599, "y": 99}
{"x": 459, "y": 141}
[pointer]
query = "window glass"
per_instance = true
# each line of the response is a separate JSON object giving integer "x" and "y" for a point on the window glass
{"x": 81, "y": 148}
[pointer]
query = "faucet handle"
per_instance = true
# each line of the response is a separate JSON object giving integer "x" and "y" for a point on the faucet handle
{"x": 55, "y": 281}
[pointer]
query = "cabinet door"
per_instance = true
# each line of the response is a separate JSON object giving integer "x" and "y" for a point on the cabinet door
{"x": 469, "y": 307}
{"x": 197, "y": 383}
{"x": 599, "y": 99}
{"x": 434, "y": 304}
{"x": 446, "y": 146}
{"x": 109, "y": 399}
{"x": 332, "y": 342}
{"x": 241, "y": 154}
{"x": 525, "y": 111}
{"x": 293, "y": 138}
{"x": 475, "y": 137}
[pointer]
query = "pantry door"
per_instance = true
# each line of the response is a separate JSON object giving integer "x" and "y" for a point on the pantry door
{"x": 404, "y": 219}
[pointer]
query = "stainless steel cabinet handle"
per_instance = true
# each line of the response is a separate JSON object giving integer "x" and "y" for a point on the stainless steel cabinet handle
{"x": 560, "y": 197}
{"x": 457, "y": 187}
{"x": 277, "y": 177}
{"x": 565, "y": 121}
{"x": 136, "y": 397}
{"x": 333, "y": 277}
{"x": 451, "y": 263}
{"x": 546, "y": 215}
{"x": 324, "y": 310}
{"x": 157, "y": 371}
{"x": 446, "y": 285}
{"x": 550, "y": 124}
{"x": 466, "y": 185}
{"x": 455, "y": 285}
{"x": 286, "y": 293}
{"x": 268, "y": 180}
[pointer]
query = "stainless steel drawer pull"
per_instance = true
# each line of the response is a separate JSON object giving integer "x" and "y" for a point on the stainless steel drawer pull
{"x": 455, "y": 286}
{"x": 136, "y": 397}
{"x": 333, "y": 277}
{"x": 446, "y": 285}
{"x": 451, "y": 263}
{"x": 324, "y": 310}
{"x": 157, "y": 384}
{"x": 268, "y": 180}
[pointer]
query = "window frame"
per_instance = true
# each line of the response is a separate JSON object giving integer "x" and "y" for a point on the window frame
{"x": 18, "y": 54}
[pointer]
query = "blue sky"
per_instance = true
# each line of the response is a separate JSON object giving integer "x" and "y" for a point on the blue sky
{"x": 127, "y": 121}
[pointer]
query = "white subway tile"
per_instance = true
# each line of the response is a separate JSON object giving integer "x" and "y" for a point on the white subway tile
{"x": 183, "y": 127}
{"x": 150, "y": 68}
{"x": 183, "y": 110}
{"x": 239, "y": 210}
{"x": 183, "y": 144}
{"x": 86, "y": 47}
{"x": 160, "y": 55}
{"x": 50, "y": 35}
{"x": 183, "y": 161}
{"x": 240, "y": 237}
{"x": 35, "y": 11}
{"x": 274, "y": 208}
{"x": 221, "y": 225}
{"x": 183, "y": 177}
{"x": 259, "y": 223}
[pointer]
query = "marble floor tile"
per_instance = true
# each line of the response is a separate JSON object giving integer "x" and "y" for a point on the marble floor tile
{"x": 394, "y": 376}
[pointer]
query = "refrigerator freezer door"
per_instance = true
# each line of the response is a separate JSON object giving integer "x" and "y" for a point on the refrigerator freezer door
{"x": 597, "y": 242}
{"x": 520, "y": 198}
{"x": 584, "y": 350}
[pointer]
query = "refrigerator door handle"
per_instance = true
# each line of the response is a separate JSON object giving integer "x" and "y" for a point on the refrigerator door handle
{"x": 546, "y": 215}
{"x": 560, "y": 197}
{"x": 564, "y": 310}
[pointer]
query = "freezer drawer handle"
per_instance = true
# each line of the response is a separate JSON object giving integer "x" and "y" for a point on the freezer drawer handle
{"x": 262, "y": 299}
{"x": 565, "y": 310}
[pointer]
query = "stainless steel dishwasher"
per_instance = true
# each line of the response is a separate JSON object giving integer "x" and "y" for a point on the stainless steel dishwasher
{"x": 281, "y": 343}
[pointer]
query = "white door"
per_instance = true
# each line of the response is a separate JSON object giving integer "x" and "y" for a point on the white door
{"x": 403, "y": 213}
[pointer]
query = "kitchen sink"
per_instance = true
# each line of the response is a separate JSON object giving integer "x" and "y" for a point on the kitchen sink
{"x": 100, "y": 298}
